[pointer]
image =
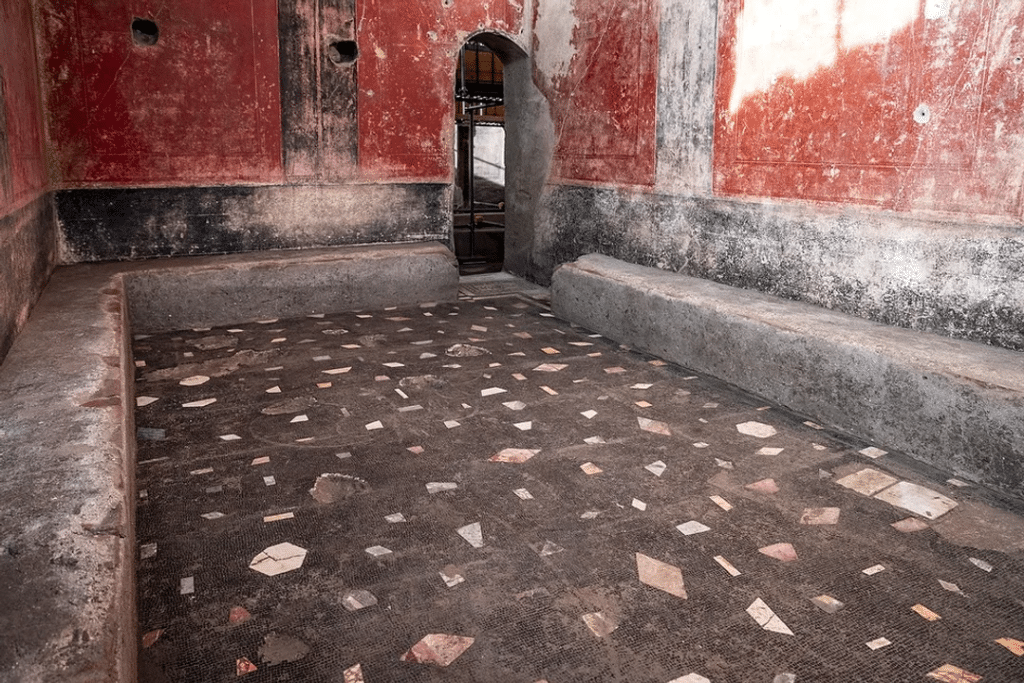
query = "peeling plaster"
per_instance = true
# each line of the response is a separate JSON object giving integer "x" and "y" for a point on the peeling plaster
{"x": 554, "y": 32}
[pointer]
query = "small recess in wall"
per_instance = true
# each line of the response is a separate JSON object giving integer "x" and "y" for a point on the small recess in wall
{"x": 342, "y": 51}
{"x": 923, "y": 114}
{"x": 144, "y": 32}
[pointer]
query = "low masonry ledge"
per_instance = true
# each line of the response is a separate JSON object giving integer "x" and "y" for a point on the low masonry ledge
{"x": 953, "y": 404}
{"x": 67, "y": 446}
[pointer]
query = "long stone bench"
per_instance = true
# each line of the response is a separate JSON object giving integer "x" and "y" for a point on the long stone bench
{"x": 953, "y": 404}
{"x": 67, "y": 446}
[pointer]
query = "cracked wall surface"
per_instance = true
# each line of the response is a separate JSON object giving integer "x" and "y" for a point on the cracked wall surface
{"x": 794, "y": 157}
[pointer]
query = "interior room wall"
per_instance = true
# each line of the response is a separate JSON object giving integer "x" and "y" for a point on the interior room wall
{"x": 253, "y": 124}
{"x": 860, "y": 155}
{"x": 864, "y": 156}
{"x": 27, "y": 225}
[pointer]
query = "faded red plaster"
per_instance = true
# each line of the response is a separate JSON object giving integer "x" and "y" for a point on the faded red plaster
{"x": 202, "y": 105}
{"x": 408, "y": 54}
{"x": 847, "y": 132}
{"x": 23, "y": 175}
{"x": 604, "y": 108}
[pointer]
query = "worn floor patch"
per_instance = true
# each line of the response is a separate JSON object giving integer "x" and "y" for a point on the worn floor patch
{"x": 481, "y": 492}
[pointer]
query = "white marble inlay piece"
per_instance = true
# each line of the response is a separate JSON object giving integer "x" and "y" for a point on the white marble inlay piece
{"x": 202, "y": 403}
{"x": 660, "y": 575}
{"x": 451, "y": 579}
{"x": 657, "y": 468}
{"x": 766, "y": 618}
{"x": 721, "y": 502}
{"x": 654, "y": 426}
{"x": 727, "y": 565}
{"x": 473, "y": 534}
{"x": 692, "y": 677}
{"x": 692, "y": 527}
{"x": 550, "y": 367}
{"x": 514, "y": 455}
{"x": 827, "y": 603}
{"x": 756, "y": 429}
{"x": 599, "y": 624}
{"x": 917, "y": 499}
{"x": 278, "y": 559}
{"x": 980, "y": 564}
{"x": 355, "y": 600}
{"x": 867, "y": 481}
{"x": 878, "y": 643}
{"x": 279, "y": 518}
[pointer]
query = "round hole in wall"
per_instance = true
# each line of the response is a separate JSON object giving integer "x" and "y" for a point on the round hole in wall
{"x": 342, "y": 51}
{"x": 1018, "y": 60}
{"x": 922, "y": 114}
{"x": 144, "y": 32}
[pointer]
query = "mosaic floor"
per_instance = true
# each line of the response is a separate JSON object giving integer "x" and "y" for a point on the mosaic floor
{"x": 482, "y": 492}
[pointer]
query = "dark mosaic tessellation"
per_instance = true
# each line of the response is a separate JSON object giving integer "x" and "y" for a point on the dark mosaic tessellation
{"x": 482, "y": 492}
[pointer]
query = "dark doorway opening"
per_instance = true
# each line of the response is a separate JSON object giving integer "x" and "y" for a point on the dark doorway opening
{"x": 479, "y": 198}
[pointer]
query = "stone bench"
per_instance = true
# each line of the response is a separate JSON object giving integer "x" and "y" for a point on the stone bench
{"x": 67, "y": 446}
{"x": 953, "y": 404}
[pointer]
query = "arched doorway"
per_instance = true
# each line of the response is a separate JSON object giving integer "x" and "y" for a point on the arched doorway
{"x": 501, "y": 171}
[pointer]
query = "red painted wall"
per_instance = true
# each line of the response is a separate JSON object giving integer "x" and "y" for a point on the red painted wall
{"x": 847, "y": 133}
{"x": 604, "y": 107}
{"x": 22, "y": 167}
{"x": 409, "y": 51}
{"x": 201, "y": 106}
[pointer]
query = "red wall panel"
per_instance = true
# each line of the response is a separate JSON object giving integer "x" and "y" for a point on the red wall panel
{"x": 604, "y": 106}
{"x": 22, "y": 168}
{"x": 201, "y": 105}
{"x": 408, "y": 52}
{"x": 841, "y": 127}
